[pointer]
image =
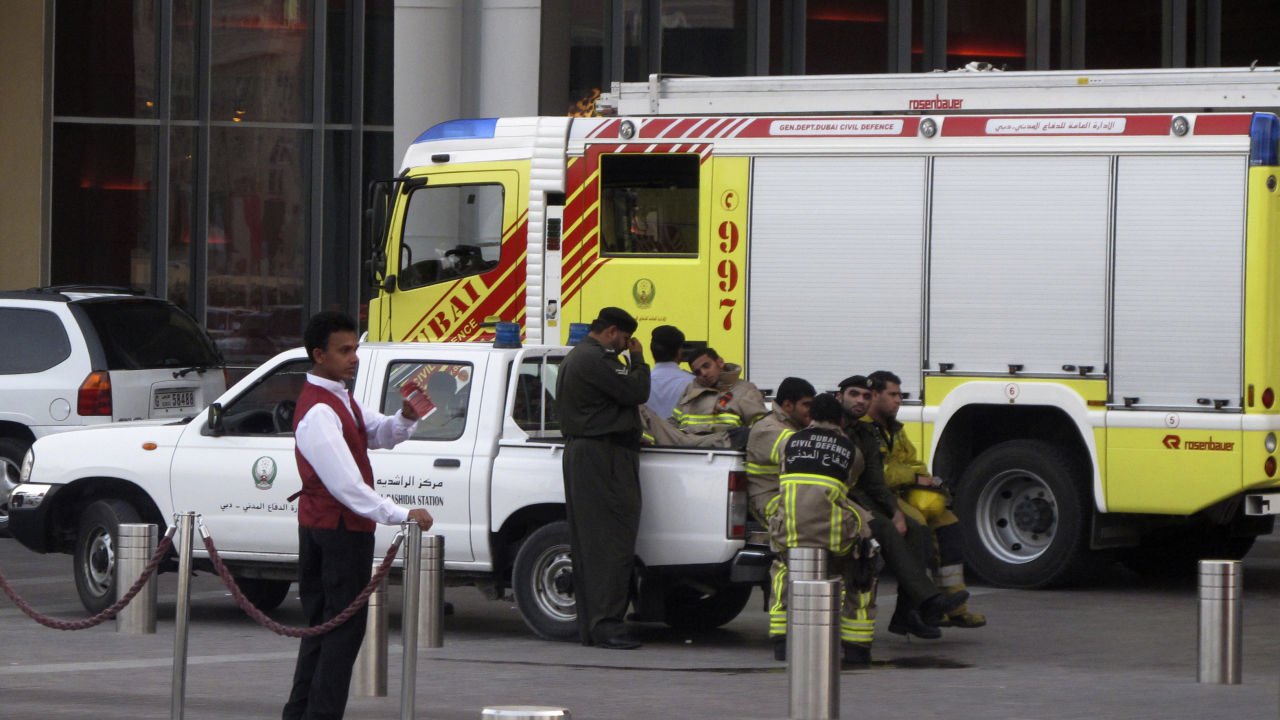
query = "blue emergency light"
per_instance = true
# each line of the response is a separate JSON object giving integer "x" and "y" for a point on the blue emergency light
{"x": 465, "y": 129}
{"x": 506, "y": 335}
{"x": 1264, "y": 132}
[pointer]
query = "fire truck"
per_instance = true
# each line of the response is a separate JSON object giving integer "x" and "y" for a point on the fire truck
{"x": 1075, "y": 274}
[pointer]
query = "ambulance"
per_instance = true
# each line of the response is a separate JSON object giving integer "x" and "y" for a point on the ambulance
{"x": 1075, "y": 274}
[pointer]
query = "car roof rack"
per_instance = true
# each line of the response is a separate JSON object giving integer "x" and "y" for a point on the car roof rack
{"x": 90, "y": 288}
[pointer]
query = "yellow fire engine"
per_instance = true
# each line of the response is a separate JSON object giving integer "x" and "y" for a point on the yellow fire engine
{"x": 1076, "y": 275}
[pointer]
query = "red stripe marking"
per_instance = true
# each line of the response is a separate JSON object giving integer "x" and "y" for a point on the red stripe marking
{"x": 1223, "y": 124}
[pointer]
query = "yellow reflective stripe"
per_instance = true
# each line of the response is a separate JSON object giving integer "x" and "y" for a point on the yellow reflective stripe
{"x": 758, "y": 469}
{"x": 772, "y": 506}
{"x": 721, "y": 419}
{"x": 775, "y": 453}
{"x": 807, "y": 479}
{"x": 836, "y": 534}
{"x": 789, "y": 489}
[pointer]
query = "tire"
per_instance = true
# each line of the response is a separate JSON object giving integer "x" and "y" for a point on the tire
{"x": 691, "y": 610}
{"x": 12, "y": 450}
{"x": 1025, "y": 512}
{"x": 542, "y": 581}
{"x": 266, "y": 595}
{"x": 94, "y": 558}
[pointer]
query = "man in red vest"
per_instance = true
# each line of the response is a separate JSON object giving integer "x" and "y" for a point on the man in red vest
{"x": 337, "y": 512}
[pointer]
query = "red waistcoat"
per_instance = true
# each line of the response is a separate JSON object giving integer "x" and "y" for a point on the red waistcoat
{"x": 316, "y": 507}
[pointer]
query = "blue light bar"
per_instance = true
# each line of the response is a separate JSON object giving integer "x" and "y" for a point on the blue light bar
{"x": 1264, "y": 132}
{"x": 467, "y": 129}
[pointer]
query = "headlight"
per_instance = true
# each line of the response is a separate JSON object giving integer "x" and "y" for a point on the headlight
{"x": 27, "y": 461}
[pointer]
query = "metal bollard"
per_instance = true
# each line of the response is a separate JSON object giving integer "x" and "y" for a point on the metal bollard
{"x": 807, "y": 563}
{"x": 409, "y": 611}
{"x": 182, "y": 613}
{"x": 525, "y": 712}
{"x": 135, "y": 543}
{"x": 1221, "y": 593}
{"x": 371, "y": 664}
{"x": 813, "y": 652}
{"x": 431, "y": 591}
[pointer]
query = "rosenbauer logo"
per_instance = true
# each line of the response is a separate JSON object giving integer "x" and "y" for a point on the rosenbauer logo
{"x": 937, "y": 102}
{"x": 1174, "y": 442}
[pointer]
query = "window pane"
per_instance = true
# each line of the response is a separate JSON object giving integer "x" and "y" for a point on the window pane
{"x": 261, "y": 61}
{"x": 450, "y": 232}
{"x": 258, "y": 210}
{"x": 587, "y": 44}
{"x": 378, "y": 52}
{"x": 993, "y": 31}
{"x": 1249, "y": 30}
{"x": 846, "y": 36}
{"x": 105, "y": 58}
{"x": 103, "y": 226}
{"x": 267, "y": 407}
{"x": 449, "y": 387}
{"x": 379, "y": 164}
{"x": 649, "y": 204}
{"x": 704, "y": 37}
{"x": 337, "y": 262}
{"x": 534, "y": 409}
{"x": 181, "y": 208}
{"x": 186, "y": 33}
{"x": 35, "y": 341}
{"x": 1122, "y": 35}
{"x": 337, "y": 63}
{"x": 144, "y": 334}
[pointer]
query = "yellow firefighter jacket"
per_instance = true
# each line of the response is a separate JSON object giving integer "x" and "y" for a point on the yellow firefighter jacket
{"x": 732, "y": 403}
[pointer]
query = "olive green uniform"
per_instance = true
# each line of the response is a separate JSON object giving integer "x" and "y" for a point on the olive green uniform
{"x": 597, "y": 398}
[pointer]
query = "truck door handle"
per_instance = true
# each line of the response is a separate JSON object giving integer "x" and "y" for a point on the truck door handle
{"x": 448, "y": 462}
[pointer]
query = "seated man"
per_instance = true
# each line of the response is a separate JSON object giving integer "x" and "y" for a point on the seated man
{"x": 904, "y": 471}
{"x": 715, "y": 410}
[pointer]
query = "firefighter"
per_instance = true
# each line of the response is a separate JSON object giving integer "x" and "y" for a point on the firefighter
{"x": 920, "y": 494}
{"x": 764, "y": 450}
{"x": 718, "y": 398}
{"x": 906, "y": 545}
{"x": 817, "y": 467}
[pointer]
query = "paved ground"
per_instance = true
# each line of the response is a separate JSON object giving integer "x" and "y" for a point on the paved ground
{"x": 1124, "y": 647}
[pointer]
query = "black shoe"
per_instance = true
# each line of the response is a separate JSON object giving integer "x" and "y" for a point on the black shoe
{"x": 909, "y": 622}
{"x": 619, "y": 642}
{"x": 780, "y": 648}
{"x": 855, "y": 656}
{"x": 932, "y": 610}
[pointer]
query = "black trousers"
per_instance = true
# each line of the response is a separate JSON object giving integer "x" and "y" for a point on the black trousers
{"x": 334, "y": 566}
{"x": 908, "y": 558}
{"x": 602, "y": 497}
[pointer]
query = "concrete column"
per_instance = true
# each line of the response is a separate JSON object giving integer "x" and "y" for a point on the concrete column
{"x": 22, "y": 115}
{"x": 428, "y": 67}
{"x": 509, "y": 59}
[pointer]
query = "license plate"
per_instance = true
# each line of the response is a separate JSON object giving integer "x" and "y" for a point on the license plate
{"x": 173, "y": 399}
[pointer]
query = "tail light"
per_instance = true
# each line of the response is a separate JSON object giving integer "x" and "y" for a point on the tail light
{"x": 94, "y": 397}
{"x": 737, "y": 523}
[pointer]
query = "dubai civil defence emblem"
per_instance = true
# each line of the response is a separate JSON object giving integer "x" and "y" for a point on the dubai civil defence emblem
{"x": 264, "y": 473}
{"x": 643, "y": 292}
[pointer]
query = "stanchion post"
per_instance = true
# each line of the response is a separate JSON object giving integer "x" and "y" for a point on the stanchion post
{"x": 135, "y": 544}
{"x": 409, "y": 614}
{"x": 431, "y": 590}
{"x": 1221, "y": 630}
{"x": 805, "y": 563}
{"x": 813, "y": 653}
{"x": 371, "y": 664}
{"x": 182, "y": 613}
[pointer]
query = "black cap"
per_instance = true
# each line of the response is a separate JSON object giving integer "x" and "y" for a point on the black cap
{"x": 617, "y": 317}
{"x": 855, "y": 381}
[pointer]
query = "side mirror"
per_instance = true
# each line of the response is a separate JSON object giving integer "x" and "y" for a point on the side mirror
{"x": 215, "y": 419}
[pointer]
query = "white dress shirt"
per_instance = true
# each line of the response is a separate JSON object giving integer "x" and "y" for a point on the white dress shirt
{"x": 319, "y": 439}
{"x": 666, "y": 382}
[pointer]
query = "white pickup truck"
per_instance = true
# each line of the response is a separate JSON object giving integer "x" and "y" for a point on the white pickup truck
{"x": 486, "y": 464}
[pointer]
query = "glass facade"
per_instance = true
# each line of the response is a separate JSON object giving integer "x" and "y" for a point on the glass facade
{"x": 203, "y": 150}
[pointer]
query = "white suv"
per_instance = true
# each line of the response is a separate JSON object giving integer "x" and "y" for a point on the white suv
{"x": 79, "y": 355}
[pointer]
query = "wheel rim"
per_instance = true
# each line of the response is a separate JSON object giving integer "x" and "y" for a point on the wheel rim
{"x": 1017, "y": 516}
{"x": 553, "y": 584}
{"x": 100, "y": 562}
{"x": 12, "y": 473}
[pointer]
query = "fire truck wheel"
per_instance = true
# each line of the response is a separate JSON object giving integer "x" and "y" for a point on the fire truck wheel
{"x": 692, "y": 609}
{"x": 1024, "y": 511}
{"x": 95, "y": 556}
{"x": 542, "y": 581}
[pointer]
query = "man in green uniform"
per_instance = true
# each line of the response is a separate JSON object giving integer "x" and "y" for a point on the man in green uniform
{"x": 598, "y": 399}
{"x": 905, "y": 544}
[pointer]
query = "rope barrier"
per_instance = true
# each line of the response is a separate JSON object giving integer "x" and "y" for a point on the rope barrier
{"x": 166, "y": 543}
{"x": 286, "y": 630}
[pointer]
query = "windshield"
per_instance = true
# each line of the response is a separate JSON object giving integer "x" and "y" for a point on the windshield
{"x": 141, "y": 334}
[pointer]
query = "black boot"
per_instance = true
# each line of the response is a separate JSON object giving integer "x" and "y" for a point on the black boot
{"x": 933, "y": 609}
{"x": 909, "y": 622}
{"x": 780, "y": 648}
{"x": 853, "y": 655}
